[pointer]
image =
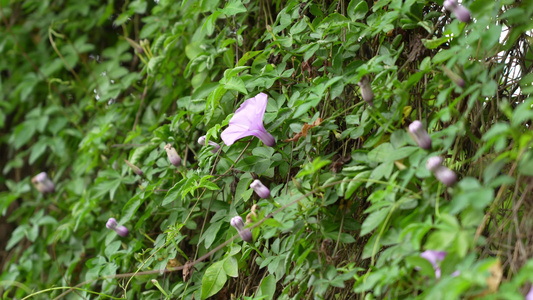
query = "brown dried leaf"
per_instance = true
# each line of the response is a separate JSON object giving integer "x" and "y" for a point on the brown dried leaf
{"x": 187, "y": 271}
{"x": 305, "y": 130}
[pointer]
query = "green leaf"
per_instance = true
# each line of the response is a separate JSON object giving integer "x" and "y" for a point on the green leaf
{"x": 213, "y": 280}
{"x": 374, "y": 220}
{"x": 233, "y": 7}
{"x": 435, "y": 42}
{"x": 267, "y": 287}
{"x": 357, "y": 9}
{"x": 231, "y": 266}
{"x": 236, "y": 84}
{"x": 211, "y": 233}
{"x": 131, "y": 208}
{"x": 424, "y": 266}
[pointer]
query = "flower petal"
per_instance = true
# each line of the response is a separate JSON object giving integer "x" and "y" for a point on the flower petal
{"x": 248, "y": 120}
{"x": 234, "y": 132}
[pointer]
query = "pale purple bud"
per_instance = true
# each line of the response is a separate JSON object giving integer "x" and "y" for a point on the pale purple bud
{"x": 433, "y": 163}
{"x": 366, "y": 90}
{"x": 450, "y": 5}
{"x": 122, "y": 231}
{"x": 260, "y": 189}
{"x": 111, "y": 223}
{"x": 420, "y": 135}
{"x": 462, "y": 14}
{"x": 237, "y": 222}
{"x": 134, "y": 168}
{"x": 173, "y": 156}
{"x": 442, "y": 173}
{"x": 42, "y": 183}
{"x": 244, "y": 233}
{"x": 201, "y": 141}
{"x": 460, "y": 82}
{"x": 445, "y": 175}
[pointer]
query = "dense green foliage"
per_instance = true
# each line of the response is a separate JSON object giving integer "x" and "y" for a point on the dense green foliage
{"x": 88, "y": 84}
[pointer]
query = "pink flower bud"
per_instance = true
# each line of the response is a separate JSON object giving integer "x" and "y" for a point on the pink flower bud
{"x": 462, "y": 14}
{"x": 244, "y": 233}
{"x": 450, "y": 5}
{"x": 173, "y": 156}
{"x": 445, "y": 175}
{"x": 111, "y": 223}
{"x": 366, "y": 90}
{"x": 260, "y": 189}
{"x": 442, "y": 173}
{"x": 433, "y": 163}
{"x": 122, "y": 231}
{"x": 134, "y": 168}
{"x": 420, "y": 135}
{"x": 201, "y": 141}
{"x": 42, "y": 183}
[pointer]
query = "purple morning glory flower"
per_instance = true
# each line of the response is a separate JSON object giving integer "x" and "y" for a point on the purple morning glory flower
{"x": 435, "y": 258}
{"x": 248, "y": 120}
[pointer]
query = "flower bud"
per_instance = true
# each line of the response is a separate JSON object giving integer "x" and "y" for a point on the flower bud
{"x": 201, "y": 141}
{"x": 442, "y": 173}
{"x": 450, "y": 5}
{"x": 42, "y": 183}
{"x": 454, "y": 77}
{"x": 462, "y": 14}
{"x": 134, "y": 168}
{"x": 420, "y": 135}
{"x": 173, "y": 156}
{"x": 366, "y": 90}
{"x": 445, "y": 175}
{"x": 122, "y": 231}
{"x": 260, "y": 189}
{"x": 244, "y": 233}
{"x": 433, "y": 163}
{"x": 111, "y": 223}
